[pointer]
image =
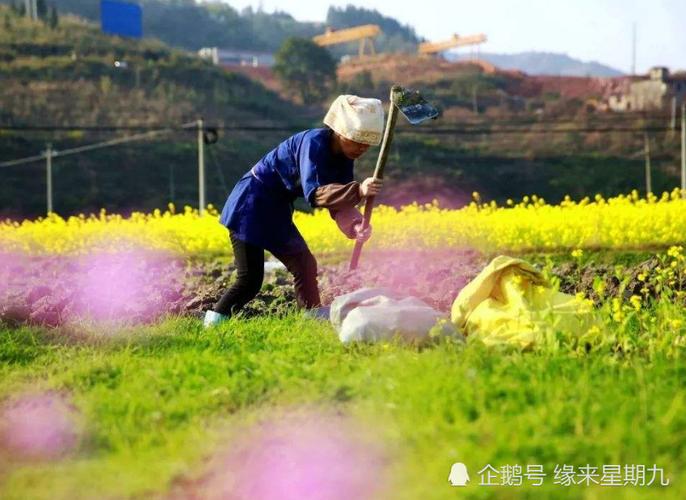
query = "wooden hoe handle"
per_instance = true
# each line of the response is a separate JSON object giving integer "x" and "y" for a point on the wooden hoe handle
{"x": 378, "y": 171}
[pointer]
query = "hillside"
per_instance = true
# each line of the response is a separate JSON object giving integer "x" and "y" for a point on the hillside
{"x": 67, "y": 77}
{"x": 222, "y": 25}
{"x": 76, "y": 58}
{"x": 510, "y": 134}
{"x": 543, "y": 63}
{"x": 502, "y": 133}
{"x": 453, "y": 83}
{"x": 249, "y": 29}
{"x": 395, "y": 37}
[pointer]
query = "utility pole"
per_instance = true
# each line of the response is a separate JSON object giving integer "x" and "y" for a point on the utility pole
{"x": 48, "y": 175}
{"x": 475, "y": 100}
{"x": 649, "y": 187}
{"x": 672, "y": 124}
{"x": 683, "y": 150}
{"x": 201, "y": 167}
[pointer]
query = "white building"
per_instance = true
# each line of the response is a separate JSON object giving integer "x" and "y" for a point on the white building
{"x": 655, "y": 92}
{"x": 229, "y": 57}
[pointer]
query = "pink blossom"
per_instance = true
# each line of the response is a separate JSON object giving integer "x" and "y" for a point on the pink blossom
{"x": 41, "y": 425}
{"x": 126, "y": 286}
{"x": 310, "y": 455}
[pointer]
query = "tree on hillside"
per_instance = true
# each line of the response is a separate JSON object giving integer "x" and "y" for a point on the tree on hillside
{"x": 305, "y": 68}
{"x": 42, "y": 9}
{"x": 222, "y": 25}
{"x": 53, "y": 19}
{"x": 345, "y": 17}
{"x": 395, "y": 37}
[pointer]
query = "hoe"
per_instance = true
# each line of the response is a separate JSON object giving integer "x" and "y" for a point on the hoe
{"x": 416, "y": 110}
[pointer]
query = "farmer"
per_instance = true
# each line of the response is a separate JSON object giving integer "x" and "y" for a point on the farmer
{"x": 316, "y": 164}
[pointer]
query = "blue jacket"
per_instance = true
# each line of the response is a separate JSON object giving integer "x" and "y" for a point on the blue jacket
{"x": 259, "y": 210}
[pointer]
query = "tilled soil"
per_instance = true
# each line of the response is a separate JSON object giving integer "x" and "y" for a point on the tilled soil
{"x": 136, "y": 287}
{"x": 433, "y": 276}
{"x": 42, "y": 290}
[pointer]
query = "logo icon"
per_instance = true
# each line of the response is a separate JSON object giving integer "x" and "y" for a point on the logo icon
{"x": 458, "y": 475}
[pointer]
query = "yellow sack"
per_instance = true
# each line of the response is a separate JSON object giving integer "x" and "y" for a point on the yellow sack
{"x": 510, "y": 302}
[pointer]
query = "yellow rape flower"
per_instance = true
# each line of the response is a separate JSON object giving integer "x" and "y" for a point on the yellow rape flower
{"x": 635, "y": 301}
{"x": 616, "y": 223}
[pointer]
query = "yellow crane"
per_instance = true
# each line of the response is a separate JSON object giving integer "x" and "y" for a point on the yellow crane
{"x": 455, "y": 41}
{"x": 363, "y": 33}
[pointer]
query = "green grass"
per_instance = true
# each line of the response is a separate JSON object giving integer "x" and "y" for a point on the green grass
{"x": 157, "y": 401}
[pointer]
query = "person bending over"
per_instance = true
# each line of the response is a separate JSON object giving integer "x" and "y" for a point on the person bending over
{"x": 316, "y": 164}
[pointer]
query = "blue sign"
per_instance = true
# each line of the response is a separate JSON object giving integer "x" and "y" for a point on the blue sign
{"x": 121, "y": 18}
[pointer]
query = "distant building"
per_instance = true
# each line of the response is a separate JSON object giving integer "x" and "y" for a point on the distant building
{"x": 655, "y": 92}
{"x": 228, "y": 57}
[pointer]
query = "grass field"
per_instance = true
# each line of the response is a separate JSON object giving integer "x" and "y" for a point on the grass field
{"x": 272, "y": 405}
{"x": 158, "y": 402}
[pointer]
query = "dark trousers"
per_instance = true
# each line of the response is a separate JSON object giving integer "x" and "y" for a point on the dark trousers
{"x": 249, "y": 261}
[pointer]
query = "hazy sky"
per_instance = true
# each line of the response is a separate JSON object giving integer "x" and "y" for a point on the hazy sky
{"x": 597, "y": 30}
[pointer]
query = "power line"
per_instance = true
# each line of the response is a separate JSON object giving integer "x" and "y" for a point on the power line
{"x": 499, "y": 128}
{"x": 90, "y": 128}
{"x": 92, "y": 147}
{"x": 496, "y": 131}
{"x": 610, "y": 118}
{"x": 137, "y": 128}
{"x": 467, "y": 129}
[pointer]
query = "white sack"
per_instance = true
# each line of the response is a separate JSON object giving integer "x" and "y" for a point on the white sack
{"x": 374, "y": 314}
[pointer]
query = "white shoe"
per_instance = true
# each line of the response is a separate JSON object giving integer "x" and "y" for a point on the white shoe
{"x": 317, "y": 313}
{"x": 213, "y": 318}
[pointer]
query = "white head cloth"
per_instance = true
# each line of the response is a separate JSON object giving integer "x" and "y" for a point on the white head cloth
{"x": 356, "y": 118}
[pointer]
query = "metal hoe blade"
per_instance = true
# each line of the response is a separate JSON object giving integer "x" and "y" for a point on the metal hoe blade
{"x": 414, "y": 107}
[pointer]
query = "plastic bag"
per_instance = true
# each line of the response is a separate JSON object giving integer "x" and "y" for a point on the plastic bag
{"x": 510, "y": 302}
{"x": 376, "y": 314}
